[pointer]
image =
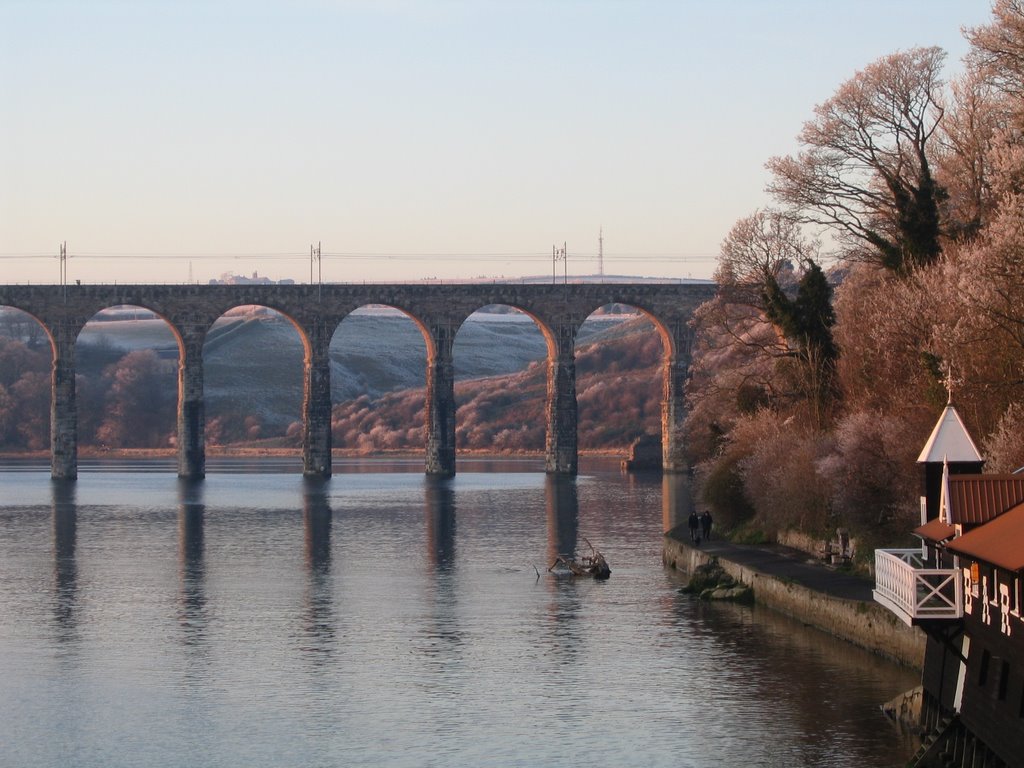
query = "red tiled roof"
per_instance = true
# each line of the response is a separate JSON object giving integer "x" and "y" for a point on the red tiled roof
{"x": 999, "y": 542}
{"x": 935, "y": 531}
{"x": 976, "y": 499}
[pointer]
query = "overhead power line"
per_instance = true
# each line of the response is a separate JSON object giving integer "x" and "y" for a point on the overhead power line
{"x": 403, "y": 255}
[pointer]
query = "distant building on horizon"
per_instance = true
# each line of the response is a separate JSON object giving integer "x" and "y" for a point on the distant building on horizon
{"x": 229, "y": 278}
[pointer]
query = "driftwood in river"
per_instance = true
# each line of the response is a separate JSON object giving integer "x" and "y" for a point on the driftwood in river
{"x": 593, "y": 565}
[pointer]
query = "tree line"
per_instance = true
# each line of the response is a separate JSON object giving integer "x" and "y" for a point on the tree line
{"x": 885, "y": 275}
{"x": 125, "y": 399}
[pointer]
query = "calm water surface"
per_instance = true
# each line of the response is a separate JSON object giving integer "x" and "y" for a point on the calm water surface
{"x": 385, "y": 619}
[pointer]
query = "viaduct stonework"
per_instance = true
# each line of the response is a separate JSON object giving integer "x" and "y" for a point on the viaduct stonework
{"x": 316, "y": 311}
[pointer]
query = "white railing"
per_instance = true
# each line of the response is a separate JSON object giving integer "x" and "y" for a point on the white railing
{"x": 912, "y": 591}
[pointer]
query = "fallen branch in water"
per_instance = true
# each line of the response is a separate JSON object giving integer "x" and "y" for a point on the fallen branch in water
{"x": 593, "y": 565}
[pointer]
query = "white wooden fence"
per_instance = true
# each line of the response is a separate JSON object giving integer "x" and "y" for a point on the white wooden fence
{"x": 913, "y": 591}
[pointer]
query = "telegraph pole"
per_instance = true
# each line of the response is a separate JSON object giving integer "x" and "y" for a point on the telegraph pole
{"x": 314, "y": 255}
{"x": 559, "y": 254}
{"x": 64, "y": 269}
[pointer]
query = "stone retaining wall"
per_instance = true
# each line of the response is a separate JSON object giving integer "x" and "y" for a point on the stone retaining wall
{"x": 864, "y": 624}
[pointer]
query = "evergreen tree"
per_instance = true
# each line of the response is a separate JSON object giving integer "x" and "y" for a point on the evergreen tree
{"x": 806, "y": 322}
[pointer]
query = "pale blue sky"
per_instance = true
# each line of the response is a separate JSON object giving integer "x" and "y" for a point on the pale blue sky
{"x": 413, "y": 139}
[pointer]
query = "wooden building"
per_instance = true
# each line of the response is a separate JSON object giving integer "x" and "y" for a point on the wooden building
{"x": 963, "y": 587}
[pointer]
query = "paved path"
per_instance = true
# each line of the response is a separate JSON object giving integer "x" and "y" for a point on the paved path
{"x": 786, "y": 563}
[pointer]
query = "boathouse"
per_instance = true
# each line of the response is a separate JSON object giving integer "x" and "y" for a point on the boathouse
{"x": 963, "y": 587}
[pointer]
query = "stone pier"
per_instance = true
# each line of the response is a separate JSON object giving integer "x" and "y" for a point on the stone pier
{"x": 673, "y": 403}
{"x": 561, "y": 455}
{"x": 63, "y": 408}
{"x": 191, "y": 408}
{"x": 440, "y": 405}
{"x": 316, "y": 401}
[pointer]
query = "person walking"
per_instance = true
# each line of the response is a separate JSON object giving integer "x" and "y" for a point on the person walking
{"x": 705, "y": 525}
{"x": 694, "y": 523}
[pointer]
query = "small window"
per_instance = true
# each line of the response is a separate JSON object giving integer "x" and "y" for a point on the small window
{"x": 1004, "y": 677}
{"x": 983, "y": 668}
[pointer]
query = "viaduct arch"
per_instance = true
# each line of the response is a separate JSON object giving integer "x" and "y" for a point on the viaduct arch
{"x": 316, "y": 311}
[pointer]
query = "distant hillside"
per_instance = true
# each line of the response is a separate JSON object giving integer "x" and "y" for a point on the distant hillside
{"x": 618, "y": 391}
{"x": 253, "y": 384}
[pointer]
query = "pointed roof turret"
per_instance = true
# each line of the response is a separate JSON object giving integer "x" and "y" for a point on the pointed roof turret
{"x": 949, "y": 441}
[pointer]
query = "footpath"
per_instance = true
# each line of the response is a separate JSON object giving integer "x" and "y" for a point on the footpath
{"x": 792, "y": 564}
{"x": 790, "y": 581}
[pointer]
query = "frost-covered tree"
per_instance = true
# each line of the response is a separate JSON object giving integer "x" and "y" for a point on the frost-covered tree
{"x": 975, "y": 122}
{"x": 140, "y": 403}
{"x": 759, "y": 249}
{"x": 919, "y": 297}
{"x": 24, "y": 395}
{"x": 1004, "y": 447}
{"x": 865, "y": 169}
{"x": 992, "y": 274}
{"x": 997, "y": 49}
{"x": 778, "y": 472}
{"x": 870, "y": 473}
{"x": 738, "y": 348}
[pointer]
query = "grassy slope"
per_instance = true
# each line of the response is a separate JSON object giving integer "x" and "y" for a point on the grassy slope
{"x": 377, "y": 372}
{"x": 618, "y": 391}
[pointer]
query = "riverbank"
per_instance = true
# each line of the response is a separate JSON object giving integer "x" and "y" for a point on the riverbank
{"x": 783, "y": 579}
{"x": 277, "y": 451}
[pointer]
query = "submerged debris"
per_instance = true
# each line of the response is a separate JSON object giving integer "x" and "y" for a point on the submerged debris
{"x": 593, "y": 565}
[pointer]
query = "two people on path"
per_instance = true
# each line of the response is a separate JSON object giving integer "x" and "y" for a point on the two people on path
{"x": 702, "y": 522}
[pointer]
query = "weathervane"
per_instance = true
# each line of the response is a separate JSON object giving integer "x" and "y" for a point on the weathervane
{"x": 948, "y": 382}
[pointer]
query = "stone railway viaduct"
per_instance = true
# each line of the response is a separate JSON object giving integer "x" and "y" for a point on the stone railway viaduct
{"x": 316, "y": 311}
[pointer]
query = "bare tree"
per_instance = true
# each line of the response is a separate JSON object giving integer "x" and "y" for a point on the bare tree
{"x": 865, "y": 170}
{"x": 975, "y": 121}
{"x": 762, "y": 252}
{"x": 997, "y": 60}
{"x": 759, "y": 249}
{"x": 991, "y": 282}
{"x": 765, "y": 339}
{"x": 997, "y": 49}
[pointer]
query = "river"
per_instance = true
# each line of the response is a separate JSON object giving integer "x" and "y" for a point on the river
{"x": 383, "y": 618}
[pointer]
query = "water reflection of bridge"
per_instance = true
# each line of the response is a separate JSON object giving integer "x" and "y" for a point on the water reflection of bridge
{"x": 562, "y": 507}
{"x": 316, "y": 311}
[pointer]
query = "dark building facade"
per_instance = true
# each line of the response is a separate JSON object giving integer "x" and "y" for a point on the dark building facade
{"x": 963, "y": 587}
